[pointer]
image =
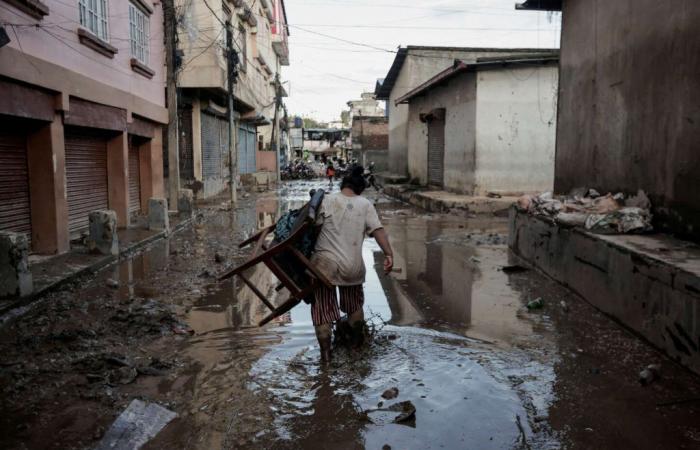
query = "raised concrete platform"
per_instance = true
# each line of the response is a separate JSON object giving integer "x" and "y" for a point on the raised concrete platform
{"x": 649, "y": 283}
{"x": 447, "y": 202}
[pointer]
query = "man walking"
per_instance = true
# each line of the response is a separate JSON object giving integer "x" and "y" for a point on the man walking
{"x": 346, "y": 218}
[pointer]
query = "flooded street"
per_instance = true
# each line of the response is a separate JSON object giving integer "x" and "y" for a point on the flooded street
{"x": 454, "y": 337}
{"x": 452, "y": 333}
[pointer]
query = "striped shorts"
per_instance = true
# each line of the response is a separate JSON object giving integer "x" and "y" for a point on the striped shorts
{"x": 325, "y": 307}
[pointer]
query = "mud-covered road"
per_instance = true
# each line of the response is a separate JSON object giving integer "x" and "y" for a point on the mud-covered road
{"x": 454, "y": 336}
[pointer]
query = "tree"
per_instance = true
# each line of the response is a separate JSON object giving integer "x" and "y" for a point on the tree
{"x": 313, "y": 123}
{"x": 345, "y": 118}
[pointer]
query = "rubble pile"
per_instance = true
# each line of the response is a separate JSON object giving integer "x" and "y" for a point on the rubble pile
{"x": 587, "y": 208}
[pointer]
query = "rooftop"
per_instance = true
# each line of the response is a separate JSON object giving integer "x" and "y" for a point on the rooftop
{"x": 383, "y": 89}
{"x": 481, "y": 63}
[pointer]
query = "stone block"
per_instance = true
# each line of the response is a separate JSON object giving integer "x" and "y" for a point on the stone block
{"x": 158, "y": 215}
{"x": 185, "y": 203}
{"x": 102, "y": 236}
{"x": 15, "y": 277}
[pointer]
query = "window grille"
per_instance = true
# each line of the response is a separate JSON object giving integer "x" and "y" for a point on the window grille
{"x": 139, "y": 34}
{"x": 93, "y": 16}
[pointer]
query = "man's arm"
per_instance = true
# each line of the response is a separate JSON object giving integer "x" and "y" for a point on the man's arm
{"x": 383, "y": 240}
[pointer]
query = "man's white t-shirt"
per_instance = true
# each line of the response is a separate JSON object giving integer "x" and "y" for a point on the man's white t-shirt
{"x": 346, "y": 221}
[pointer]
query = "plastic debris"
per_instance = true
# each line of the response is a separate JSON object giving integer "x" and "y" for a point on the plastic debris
{"x": 135, "y": 426}
{"x": 606, "y": 214}
{"x": 537, "y": 303}
{"x": 650, "y": 374}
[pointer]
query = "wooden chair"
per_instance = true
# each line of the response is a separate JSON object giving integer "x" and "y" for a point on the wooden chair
{"x": 291, "y": 267}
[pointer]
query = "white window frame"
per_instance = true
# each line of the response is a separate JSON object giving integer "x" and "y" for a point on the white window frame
{"x": 94, "y": 16}
{"x": 139, "y": 34}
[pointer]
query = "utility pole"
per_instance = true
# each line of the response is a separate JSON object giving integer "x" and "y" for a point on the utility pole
{"x": 232, "y": 71}
{"x": 171, "y": 93}
{"x": 274, "y": 141}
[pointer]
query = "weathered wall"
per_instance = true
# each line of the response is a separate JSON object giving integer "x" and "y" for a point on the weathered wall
{"x": 370, "y": 133}
{"x": 265, "y": 161}
{"x": 458, "y": 97}
{"x": 655, "y": 294}
{"x": 420, "y": 65}
{"x": 54, "y": 58}
{"x": 516, "y": 129}
{"x": 629, "y": 106}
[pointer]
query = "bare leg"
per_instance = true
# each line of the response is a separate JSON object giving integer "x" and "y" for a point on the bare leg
{"x": 323, "y": 334}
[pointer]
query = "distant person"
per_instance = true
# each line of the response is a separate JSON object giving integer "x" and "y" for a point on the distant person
{"x": 330, "y": 173}
{"x": 345, "y": 219}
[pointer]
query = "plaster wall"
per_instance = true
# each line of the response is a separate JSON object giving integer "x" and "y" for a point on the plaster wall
{"x": 515, "y": 130}
{"x": 52, "y": 56}
{"x": 420, "y": 65}
{"x": 629, "y": 105}
{"x": 458, "y": 97}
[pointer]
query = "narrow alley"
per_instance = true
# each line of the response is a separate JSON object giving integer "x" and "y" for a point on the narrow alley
{"x": 452, "y": 332}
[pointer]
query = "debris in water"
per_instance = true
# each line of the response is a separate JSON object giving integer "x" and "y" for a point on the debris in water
{"x": 135, "y": 426}
{"x": 537, "y": 303}
{"x": 514, "y": 269}
{"x": 564, "y": 306}
{"x": 390, "y": 393}
{"x": 110, "y": 283}
{"x": 408, "y": 411}
{"x": 219, "y": 258}
{"x": 650, "y": 374}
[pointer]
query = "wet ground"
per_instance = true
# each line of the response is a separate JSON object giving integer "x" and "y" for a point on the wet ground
{"x": 452, "y": 334}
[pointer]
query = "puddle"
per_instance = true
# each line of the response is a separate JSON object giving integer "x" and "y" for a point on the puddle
{"x": 452, "y": 357}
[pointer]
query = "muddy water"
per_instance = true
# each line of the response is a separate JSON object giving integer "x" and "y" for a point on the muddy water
{"x": 453, "y": 335}
{"x": 449, "y": 326}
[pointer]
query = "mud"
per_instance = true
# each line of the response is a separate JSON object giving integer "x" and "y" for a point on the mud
{"x": 455, "y": 339}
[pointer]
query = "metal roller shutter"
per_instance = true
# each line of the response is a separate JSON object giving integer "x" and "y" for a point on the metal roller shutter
{"x": 15, "y": 211}
{"x": 134, "y": 178}
{"x": 86, "y": 178}
{"x": 436, "y": 152}
{"x": 246, "y": 149}
{"x": 211, "y": 146}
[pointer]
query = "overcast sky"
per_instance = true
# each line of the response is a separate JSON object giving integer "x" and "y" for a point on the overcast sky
{"x": 324, "y": 73}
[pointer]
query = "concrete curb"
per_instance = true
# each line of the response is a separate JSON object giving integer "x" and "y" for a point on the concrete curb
{"x": 444, "y": 202}
{"x": 24, "y": 303}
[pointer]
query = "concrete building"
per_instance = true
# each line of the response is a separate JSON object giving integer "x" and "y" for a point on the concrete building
{"x": 81, "y": 114}
{"x": 370, "y": 141}
{"x": 257, "y": 32}
{"x": 628, "y": 119}
{"x": 488, "y": 126}
{"x": 367, "y": 106}
{"x": 412, "y": 66}
{"x": 626, "y": 122}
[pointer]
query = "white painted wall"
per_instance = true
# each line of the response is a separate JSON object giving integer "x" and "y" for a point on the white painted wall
{"x": 458, "y": 97}
{"x": 516, "y": 129}
{"x": 421, "y": 64}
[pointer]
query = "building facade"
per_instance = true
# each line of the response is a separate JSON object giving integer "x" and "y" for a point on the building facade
{"x": 485, "y": 127}
{"x": 629, "y": 106}
{"x": 370, "y": 141}
{"x": 208, "y": 34}
{"x": 82, "y": 108}
{"x": 412, "y": 66}
{"x": 367, "y": 106}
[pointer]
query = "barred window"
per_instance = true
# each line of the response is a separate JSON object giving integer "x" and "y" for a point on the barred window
{"x": 93, "y": 16}
{"x": 139, "y": 33}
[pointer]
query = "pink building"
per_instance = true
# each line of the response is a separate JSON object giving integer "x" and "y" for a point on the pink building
{"x": 82, "y": 108}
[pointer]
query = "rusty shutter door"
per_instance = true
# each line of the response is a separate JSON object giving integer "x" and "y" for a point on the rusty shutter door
{"x": 436, "y": 152}
{"x": 134, "y": 179}
{"x": 86, "y": 178}
{"x": 15, "y": 211}
{"x": 211, "y": 147}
